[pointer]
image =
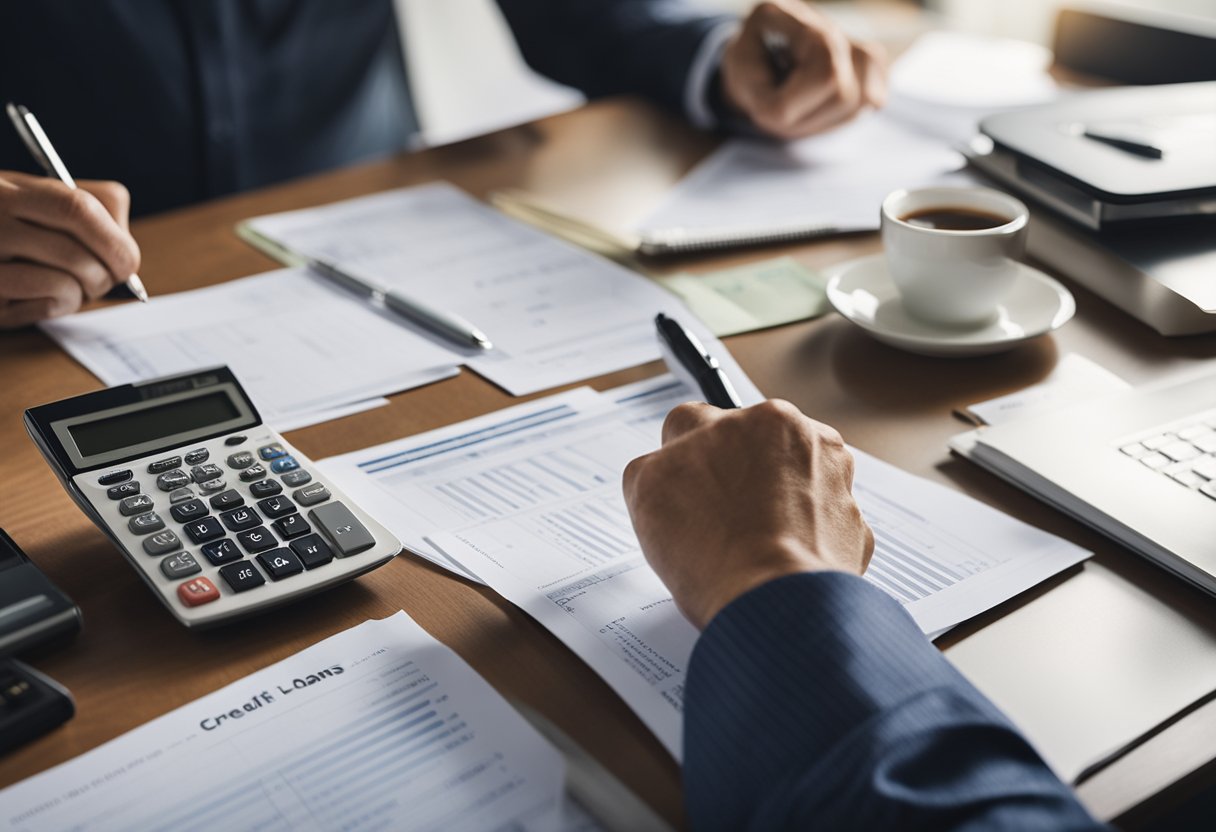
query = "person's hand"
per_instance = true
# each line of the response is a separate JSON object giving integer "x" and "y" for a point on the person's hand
{"x": 736, "y": 498}
{"x": 830, "y": 79}
{"x": 60, "y": 246}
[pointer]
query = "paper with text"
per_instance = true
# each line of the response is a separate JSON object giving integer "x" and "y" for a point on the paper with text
{"x": 379, "y": 727}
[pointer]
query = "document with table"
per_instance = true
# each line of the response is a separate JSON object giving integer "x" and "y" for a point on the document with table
{"x": 529, "y": 501}
{"x": 378, "y": 727}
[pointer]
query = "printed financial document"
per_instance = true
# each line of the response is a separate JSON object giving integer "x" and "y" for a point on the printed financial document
{"x": 555, "y": 313}
{"x": 305, "y": 350}
{"x": 379, "y": 727}
{"x": 529, "y": 501}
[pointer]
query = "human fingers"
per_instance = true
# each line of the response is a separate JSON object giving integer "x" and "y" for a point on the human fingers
{"x": 77, "y": 212}
{"x": 113, "y": 195}
{"x": 20, "y": 240}
{"x": 688, "y": 417}
{"x": 870, "y": 64}
{"x": 23, "y": 286}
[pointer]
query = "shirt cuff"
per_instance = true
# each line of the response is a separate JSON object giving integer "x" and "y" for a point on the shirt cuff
{"x": 705, "y": 63}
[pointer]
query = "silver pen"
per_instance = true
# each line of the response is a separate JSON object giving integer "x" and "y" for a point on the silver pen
{"x": 40, "y": 147}
{"x": 452, "y": 327}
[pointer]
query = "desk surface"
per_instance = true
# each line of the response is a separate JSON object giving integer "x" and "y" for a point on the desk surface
{"x": 609, "y": 162}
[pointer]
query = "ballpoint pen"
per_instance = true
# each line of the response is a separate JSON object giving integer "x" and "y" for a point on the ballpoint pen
{"x": 40, "y": 147}
{"x": 450, "y": 326}
{"x": 689, "y": 361}
{"x": 1127, "y": 145}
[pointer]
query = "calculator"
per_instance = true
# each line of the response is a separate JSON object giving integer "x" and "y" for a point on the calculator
{"x": 219, "y": 515}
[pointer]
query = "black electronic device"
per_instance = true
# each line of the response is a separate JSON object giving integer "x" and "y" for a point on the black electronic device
{"x": 30, "y": 704}
{"x": 33, "y": 611}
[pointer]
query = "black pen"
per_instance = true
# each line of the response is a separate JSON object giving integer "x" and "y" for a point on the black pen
{"x": 687, "y": 358}
{"x": 1133, "y": 146}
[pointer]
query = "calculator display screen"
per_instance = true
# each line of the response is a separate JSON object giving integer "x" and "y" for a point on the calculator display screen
{"x": 151, "y": 423}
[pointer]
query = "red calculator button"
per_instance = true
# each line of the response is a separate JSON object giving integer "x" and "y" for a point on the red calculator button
{"x": 198, "y": 591}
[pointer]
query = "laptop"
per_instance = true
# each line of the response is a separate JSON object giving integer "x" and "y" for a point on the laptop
{"x": 1138, "y": 466}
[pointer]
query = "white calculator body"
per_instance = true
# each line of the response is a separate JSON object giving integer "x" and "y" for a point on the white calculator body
{"x": 218, "y": 514}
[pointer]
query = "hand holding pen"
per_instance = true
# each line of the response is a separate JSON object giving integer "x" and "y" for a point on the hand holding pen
{"x": 60, "y": 243}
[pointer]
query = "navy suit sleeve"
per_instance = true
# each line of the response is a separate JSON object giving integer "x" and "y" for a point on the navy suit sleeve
{"x": 606, "y": 47}
{"x": 814, "y": 702}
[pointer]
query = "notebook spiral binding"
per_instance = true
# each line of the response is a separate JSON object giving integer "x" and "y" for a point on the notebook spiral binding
{"x": 668, "y": 242}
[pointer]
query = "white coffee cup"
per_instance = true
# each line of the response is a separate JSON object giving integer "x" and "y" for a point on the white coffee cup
{"x": 951, "y": 277}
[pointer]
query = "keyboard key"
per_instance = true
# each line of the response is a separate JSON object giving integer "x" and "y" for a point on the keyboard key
{"x": 196, "y": 592}
{"x": 239, "y": 460}
{"x": 348, "y": 535}
{"x": 219, "y": 552}
{"x": 200, "y": 531}
{"x": 1193, "y": 432}
{"x": 276, "y": 506}
{"x": 123, "y": 489}
{"x": 181, "y": 565}
{"x": 211, "y": 486}
{"x": 202, "y": 473}
{"x": 189, "y": 510}
{"x": 197, "y": 457}
{"x": 284, "y": 464}
{"x": 1155, "y": 461}
{"x": 255, "y": 472}
{"x": 265, "y": 488}
{"x": 145, "y": 523}
{"x": 293, "y": 525}
{"x": 280, "y": 563}
{"x": 1134, "y": 450}
{"x": 228, "y": 499}
{"x": 240, "y": 519}
{"x": 166, "y": 464}
{"x": 180, "y": 494}
{"x": 235, "y": 439}
{"x": 313, "y": 551}
{"x": 257, "y": 540}
{"x": 273, "y": 451}
{"x": 293, "y": 478}
{"x": 1205, "y": 467}
{"x": 241, "y": 576}
{"x": 135, "y": 505}
{"x": 1189, "y": 478}
{"x": 1180, "y": 451}
{"x": 310, "y": 495}
{"x": 1206, "y": 443}
{"x": 1208, "y": 490}
{"x": 172, "y": 480}
{"x": 112, "y": 477}
{"x": 162, "y": 542}
{"x": 1156, "y": 442}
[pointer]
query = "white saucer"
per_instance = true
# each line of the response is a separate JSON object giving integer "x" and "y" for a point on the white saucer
{"x": 862, "y": 291}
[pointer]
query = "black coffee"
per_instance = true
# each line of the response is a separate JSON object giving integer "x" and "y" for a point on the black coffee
{"x": 953, "y": 219}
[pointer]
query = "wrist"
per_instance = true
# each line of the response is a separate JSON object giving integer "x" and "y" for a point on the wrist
{"x": 758, "y": 564}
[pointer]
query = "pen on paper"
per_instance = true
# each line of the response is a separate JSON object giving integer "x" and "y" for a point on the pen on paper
{"x": 44, "y": 153}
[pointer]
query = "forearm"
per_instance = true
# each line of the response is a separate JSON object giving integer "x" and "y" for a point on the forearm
{"x": 815, "y": 702}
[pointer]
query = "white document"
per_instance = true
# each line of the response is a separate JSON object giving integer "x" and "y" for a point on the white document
{"x": 555, "y": 313}
{"x": 298, "y": 345}
{"x": 379, "y": 727}
{"x": 839, "y": 178}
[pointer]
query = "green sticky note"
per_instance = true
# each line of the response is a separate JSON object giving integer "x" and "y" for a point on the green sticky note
{"x": 755, "y": 296}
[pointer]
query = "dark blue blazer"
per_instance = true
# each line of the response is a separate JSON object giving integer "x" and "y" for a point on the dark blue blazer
{"x": 183, "y": 100}
{"x": 814, "y": 702}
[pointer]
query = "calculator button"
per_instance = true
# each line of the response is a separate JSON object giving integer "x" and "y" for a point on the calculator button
{"x": 280, "y": 563}
{"x": 252, "y": 473}
{"x": 234, "y": 440}
{"x": 162, "y": 542}
{"x": 123, "y": 489}
{"x": 197, "y": 457}
{"x": 265, "y": 488}
{"x": 310, "y": 495}
{"x": 180, "y": 494}
{"x": 181, "y": 565}
{"x": 219, "y": 552}
{"x": 145, "y": 523}
{"x": 284, "y": 464}
{"x": 257, "y": 540}
{"x": 293, "y": 478}
{"x": 202, "y": 473}
{"x": 166, "y": 464}
{"x": 227, "y": 499}
{"x": 293, "y": 525}
{"x": 312, "y": 550}
{"x": 241, "y": 459}
{"x": 272, "y": 451}
{"x": 189, "y": 510}
{"x": 196, "y": 592}
{"x": 211, "y": 486}
{"x": 240, "y": 519}
{"x": 112, "y": 477}
{"x": 172, "y": 480}
{"x": 241, "y": 576}
{"x": 200, "y": 531}
{"x": 135, "y": 505}
{"x": 276, "y": 506}
{"x": 349, "y": 536}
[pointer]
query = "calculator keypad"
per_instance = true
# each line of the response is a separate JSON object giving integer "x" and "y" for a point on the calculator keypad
{"x": 181, "y": 565}
{"x": 146, "y": 523}
{"x": 265, "y": 488}
{"x": 135, "y": 505}
{"x": 240, "y": 519}
{"x": 219, "y": 552}
{"x": 253, "y": 472}
{"x": 125, "y": 489}
{"x": 162, "y": 542}
{"x": 188, "y": 510}
{"x": 227, "y": 499}
{"x": 280, "y": 563}
{"x": 257, "y": 540}
{"x": 172, "y": 480}
{"x": 200, "y": 531}
{"x": 241, "y": 576}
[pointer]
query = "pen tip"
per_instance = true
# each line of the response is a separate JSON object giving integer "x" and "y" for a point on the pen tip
{"x": 137, "y": 288}
{"x": 482, "y": 342}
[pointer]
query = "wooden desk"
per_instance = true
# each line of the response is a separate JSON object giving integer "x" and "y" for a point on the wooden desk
{"x": 609, "y": 162}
